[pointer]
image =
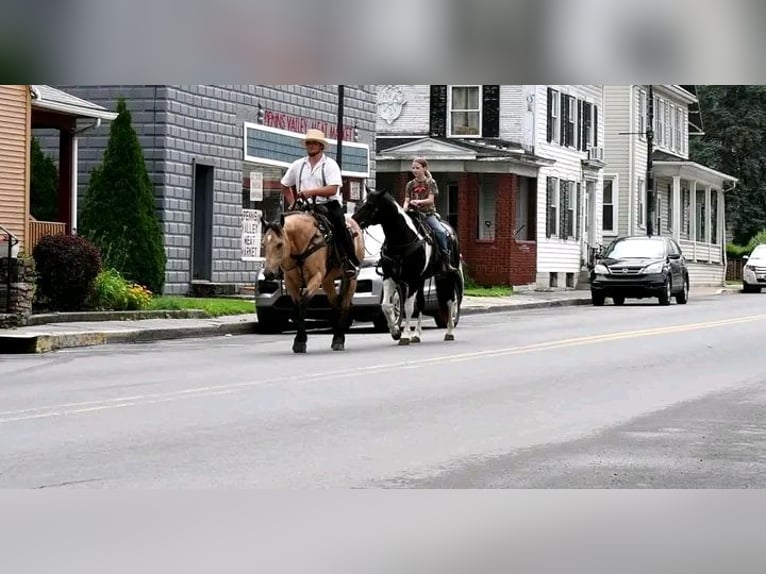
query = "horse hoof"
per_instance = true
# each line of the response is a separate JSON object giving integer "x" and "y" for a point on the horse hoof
{"x": 404, "y": 341}
{"x": 449, "y": 337}
{"x": 299, "y": 347}
{"x": 338, "y": 347}
{"x": 415, "y": 339}
{"x": 396, "y": 336}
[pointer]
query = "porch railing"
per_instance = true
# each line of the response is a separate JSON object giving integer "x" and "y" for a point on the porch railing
{"x": 39, "y": 229}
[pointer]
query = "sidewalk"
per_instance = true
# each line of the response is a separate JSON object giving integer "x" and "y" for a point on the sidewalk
{"x": 42, "y": 338}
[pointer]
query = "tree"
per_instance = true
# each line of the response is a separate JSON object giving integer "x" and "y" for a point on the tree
{"x": 118, "y": 212}
{"x": 735, "y": 143}
{"x": 43, "y": 185}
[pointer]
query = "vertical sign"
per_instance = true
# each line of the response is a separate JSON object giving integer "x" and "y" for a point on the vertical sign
{"x": 251, "y": 234}
{"x": 354, "y": 191}
{"x": 256, "y": 186}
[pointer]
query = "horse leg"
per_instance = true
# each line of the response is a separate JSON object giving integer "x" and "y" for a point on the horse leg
{"x": 389, "y": 288}
{"x": 409, "y": 309}
{"x": 343, "y": 310}
{"x": 451, "y": 307}
{"x": 420, "y": 305}
{"x": 301, "y": 300}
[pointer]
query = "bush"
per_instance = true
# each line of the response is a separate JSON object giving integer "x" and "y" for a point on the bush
{"x": 67, "y": 266}
{"x": 112, "y": 292}
{"x": 118, "y": 209}
{"x": 734, "y": 251}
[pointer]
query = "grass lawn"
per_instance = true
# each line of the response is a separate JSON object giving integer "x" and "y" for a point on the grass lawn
{"x": 215, "y": 307}
{"x": 496, "y": 291}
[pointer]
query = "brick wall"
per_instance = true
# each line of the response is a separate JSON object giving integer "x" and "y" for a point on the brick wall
{"x": 179, "y": 124}
{"x": 502, "y": 260}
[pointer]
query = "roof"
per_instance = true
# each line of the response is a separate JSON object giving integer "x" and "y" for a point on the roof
{"x": 442, "y": 148}
{"x": 48, "y": 98}
{"x": 695, "y": 171}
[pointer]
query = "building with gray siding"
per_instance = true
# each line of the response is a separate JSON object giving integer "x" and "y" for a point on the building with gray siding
{"x": 202, "y": 144}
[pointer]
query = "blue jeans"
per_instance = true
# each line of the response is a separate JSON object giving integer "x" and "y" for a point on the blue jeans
{"x": 441, "y": 237}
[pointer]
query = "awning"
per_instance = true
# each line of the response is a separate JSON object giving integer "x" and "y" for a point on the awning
{"x": 54, "y": 100}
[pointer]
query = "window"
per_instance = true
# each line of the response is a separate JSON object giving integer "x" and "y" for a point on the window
{"x": 658, "y": 216}
{"x": 554, "y": 128}
{"x": 571, "y": 209}
{"x": 486, "y": 211}
{"x": 607, "y": 210}
{"x": 641, "y": 203}
{"x": 642, "y": 113}
{"x": 552, "y": 224}
{"x": 670, "y": 207}
{"x": 659, "y": 122}
{"x": 571, "y": 121}
{"x": 465, "y": 110}
{"x": 700, "y": 208}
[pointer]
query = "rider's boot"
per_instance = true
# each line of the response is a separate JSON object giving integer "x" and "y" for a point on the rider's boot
{"x": 446, "y": 264}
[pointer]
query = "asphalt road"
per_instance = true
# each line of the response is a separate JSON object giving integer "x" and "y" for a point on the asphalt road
{"x": 627, "y": 397}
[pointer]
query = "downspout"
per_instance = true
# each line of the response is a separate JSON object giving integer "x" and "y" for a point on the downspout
{"x": 75, "y": 169}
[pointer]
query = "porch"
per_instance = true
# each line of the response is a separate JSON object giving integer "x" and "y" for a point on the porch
{"x": 71, "y": 117}
{"x": 691, "y": 204}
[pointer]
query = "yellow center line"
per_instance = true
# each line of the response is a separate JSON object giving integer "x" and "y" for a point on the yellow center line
{"x": 213, "y": 390}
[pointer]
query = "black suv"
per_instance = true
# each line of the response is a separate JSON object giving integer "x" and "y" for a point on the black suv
{"x": 640, "y": 266}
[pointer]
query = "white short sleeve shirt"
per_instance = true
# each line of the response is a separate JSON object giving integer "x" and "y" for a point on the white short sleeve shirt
{"x": 325, "y": 172}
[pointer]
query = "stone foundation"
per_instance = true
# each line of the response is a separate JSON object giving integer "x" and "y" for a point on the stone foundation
{"x": 23, "y": 283}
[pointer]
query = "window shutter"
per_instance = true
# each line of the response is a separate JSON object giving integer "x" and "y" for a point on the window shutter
{"x": 563, "y": 208}
{"x": 548, "y": 206}
{"x": 579, "y": 211}
{"x": 490, "y": 111}
{"x": 550, "y": 117}
{"x": 580, "y": 138}
{"x": 438, "y": 122}
{"x": 564, "y": 117}
{"x": 595, "y": 125}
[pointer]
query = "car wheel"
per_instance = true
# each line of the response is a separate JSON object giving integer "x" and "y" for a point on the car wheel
{"x": 271, "y": 321}
{"x": 667, "y": 291}
{"x": 683, "y": 296}
{"x": 597, "y": 299}
{"x": 619, "y": 300}
{"x": 750, "y": 288}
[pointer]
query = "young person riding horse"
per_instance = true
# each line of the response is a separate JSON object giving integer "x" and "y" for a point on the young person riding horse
{"x": 297, "y": 245}
{"x": 407, "y": 260}
{"x": 420, "y": 194}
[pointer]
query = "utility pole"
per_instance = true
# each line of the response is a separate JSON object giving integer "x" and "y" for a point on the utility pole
{"x": 650, "y": 195}
{"x": 339, "y": 147}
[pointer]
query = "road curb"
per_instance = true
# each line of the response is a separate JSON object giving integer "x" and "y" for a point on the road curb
{"x": 46, "y": 342}
{"x": 523, "y": 306}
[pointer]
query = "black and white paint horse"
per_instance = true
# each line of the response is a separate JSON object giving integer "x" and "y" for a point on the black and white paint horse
{"x": 408, "y": 259}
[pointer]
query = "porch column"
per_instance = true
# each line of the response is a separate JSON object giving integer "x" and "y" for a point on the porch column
{"x": 693, "y": 217}
{"x": 65, "y": 179}
{"x": 73, "y": 194}
{"x": 708, "y": 189}
{"x": 676, "y": 208}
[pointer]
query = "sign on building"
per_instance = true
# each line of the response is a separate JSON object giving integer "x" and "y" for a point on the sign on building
{"x": 256, "y": 186}
{"x": 251, "y": 234}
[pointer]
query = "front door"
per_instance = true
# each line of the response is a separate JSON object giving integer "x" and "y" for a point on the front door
{"x": 589, "y": 226}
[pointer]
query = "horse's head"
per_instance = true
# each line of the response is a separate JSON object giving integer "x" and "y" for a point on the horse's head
{"x": 369, "y": 211}
{"x": 275, "y": 246}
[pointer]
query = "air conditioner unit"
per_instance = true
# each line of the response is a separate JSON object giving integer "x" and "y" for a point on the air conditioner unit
{"x": 596, "y": 153}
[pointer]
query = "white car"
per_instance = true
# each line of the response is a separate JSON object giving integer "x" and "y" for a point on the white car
{"x": 754, "y": 274}
{"x": 274, "y": 306}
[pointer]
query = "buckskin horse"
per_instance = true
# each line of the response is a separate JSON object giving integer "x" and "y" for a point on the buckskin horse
{"x": 299, "y": 245}
{"x": 408, "y": 258}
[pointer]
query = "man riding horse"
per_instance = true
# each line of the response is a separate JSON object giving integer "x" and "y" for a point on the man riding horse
{"x": 316, "y": 178}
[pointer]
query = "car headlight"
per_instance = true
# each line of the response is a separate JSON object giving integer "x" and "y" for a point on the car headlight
{"x": 654, "y": 267}
{"x": 600, "y": 269}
